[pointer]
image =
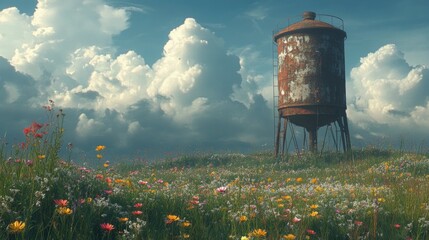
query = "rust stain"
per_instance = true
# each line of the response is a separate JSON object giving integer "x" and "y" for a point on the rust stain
{"x": 311, "y": 72}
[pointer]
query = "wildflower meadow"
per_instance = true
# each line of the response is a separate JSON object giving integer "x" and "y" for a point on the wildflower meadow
{"x": 374, "y": 194}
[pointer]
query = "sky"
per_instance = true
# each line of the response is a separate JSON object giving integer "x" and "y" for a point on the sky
{"x": 155, "y": 78}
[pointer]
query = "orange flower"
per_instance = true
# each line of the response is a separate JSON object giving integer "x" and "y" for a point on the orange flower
{"x": 124, "y": 219}
{"x": 107, "y": 227}
{"x": 186, "y": 224}
{"x": 243, "y": 218}
{"x": 99, "y": 148}
{"x": 258, "y": 233}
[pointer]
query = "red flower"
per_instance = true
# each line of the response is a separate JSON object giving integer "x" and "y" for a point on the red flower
{"x": 358, "y": 223}
{"x": 38, "y": 135}
{"x": 397, "y": 226}
{"x": 33, "y": 128}
{"x": 311, "y": 232}
{"x": 107, "y": 227}
{"x": 138, "y": 205}
{"x": 137, "y": 213}
{"x": 27, "y": 130}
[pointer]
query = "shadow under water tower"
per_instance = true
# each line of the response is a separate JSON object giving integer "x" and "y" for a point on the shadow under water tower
{"x": 309, "y": 83}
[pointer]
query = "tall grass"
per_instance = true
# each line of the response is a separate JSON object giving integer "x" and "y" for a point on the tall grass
{"x": 380, "y": 194}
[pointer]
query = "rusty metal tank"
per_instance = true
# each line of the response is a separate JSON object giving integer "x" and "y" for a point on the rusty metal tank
{"x": 311, "y": 72}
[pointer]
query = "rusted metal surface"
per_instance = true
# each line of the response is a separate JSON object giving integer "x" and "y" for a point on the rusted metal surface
{"x": 311, "y": 78}
{"x": 311, "y": 72}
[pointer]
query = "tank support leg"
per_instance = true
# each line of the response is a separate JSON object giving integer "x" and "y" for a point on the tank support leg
{"x": 347, "y": 133}
{"x": 312, "y": 139}
{"x": 284, "y": 135}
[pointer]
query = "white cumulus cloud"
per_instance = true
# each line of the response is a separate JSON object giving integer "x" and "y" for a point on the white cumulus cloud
{"x": 389, "y": 97}
{"x": 186, "y": 101}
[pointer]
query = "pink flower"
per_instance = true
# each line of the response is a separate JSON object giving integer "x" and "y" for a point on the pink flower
{"x": 296, "y": 220}
{"x": 311, "y": 232}
{"x": 397, "y": 226}
{"x": 29, "y": 163}
{"x": 141, "y": 182}
{"x": 138, "y": 205}
{"x": 61, "y": 202}
{"x": 221, "y": 189}
{"x": 195, "y": 200}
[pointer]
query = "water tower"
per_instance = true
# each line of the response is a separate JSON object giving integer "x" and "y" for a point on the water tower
{"x": 311, "y": 79}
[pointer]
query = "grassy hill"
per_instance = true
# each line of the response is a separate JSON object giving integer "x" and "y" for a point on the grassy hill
{"x": 371, "y": 194}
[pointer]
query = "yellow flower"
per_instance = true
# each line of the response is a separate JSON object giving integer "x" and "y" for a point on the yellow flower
{"x": 290, "y": 236}
{"x": 99, "y": 156}
{"x": 381, "y": 200}
{"x": 186, "y": 224}
{"x": 16, "y": 227}
{"x": 314, "y": 214}
{"x": 314, "y": 181}
{"x": 99, "y": 148}
{"x": 64, "y": 211}
{"x": 172, "y": 218}
{"x": 41, "y": 156}
{"x": 287, "y": 197}
{"x": 244, "y": 238}
{"x": 314, "y": 206}
{"x": 106, "y": 164}
{"x": 243, "y": 218}
{"x": 319, "y": 189}
{"x": 186, "y": 235}
{"x": 258, "y": 233}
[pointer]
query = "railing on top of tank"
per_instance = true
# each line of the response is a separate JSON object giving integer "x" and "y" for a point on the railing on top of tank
{"x": 331, "y": 19}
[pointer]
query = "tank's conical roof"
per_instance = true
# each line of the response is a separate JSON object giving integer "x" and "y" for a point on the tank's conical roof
{"x": 308, "y": 22}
